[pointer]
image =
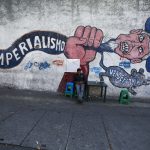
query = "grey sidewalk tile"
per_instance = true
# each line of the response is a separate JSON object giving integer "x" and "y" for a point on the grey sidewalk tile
{"x": 128, "y": 132}
{"x": 52, "y": 131}
{"x": 87, "y": 133}
{"x": 7, "y": 110}
{"x": 14, "y": 129}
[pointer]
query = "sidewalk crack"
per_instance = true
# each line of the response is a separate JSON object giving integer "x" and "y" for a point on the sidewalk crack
{"x": 106, "y": 133}
{"x": 9, "y": 116}
{"x": 36, "y": 123}
{"x": 66, "y": 146}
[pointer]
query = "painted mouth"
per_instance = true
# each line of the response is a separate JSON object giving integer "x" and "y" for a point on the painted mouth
{"x": 124, "y": 47}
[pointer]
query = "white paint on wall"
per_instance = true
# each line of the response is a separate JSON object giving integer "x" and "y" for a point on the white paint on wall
{"x": 72, "y": 65}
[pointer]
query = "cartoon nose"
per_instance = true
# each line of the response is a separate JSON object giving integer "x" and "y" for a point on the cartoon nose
{"x": 136, "y": 44}
{"x": 133, "y": 45}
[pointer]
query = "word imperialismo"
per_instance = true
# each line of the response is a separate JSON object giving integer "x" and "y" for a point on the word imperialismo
{"x": 46, "y": 41}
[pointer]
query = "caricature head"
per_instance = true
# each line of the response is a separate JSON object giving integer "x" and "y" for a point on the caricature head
{"x": 133, "y": 46}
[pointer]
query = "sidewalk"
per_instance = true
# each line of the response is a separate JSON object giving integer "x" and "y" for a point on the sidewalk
{"x": 59, "y": 97}
{"x": 48, "y": 121}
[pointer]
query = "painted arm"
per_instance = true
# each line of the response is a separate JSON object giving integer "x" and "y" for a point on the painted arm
{"x": 84, "y": 45}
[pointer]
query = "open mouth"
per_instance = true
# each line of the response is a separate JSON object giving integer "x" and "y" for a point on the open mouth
{"x": 124, "y": 47}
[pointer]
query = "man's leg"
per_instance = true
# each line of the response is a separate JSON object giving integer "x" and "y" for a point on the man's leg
{"x": 82, "y": 91}
{"x": 78, "y": 90}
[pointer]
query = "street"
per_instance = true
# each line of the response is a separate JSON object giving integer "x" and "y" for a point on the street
{"x": 35, "y": 120}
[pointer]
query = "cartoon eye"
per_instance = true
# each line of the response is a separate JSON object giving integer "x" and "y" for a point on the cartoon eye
{"x": 141, "y": 37}
{"x": 140, "y": 49}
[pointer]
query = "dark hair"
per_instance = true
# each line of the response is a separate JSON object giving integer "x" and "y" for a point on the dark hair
{"x": 147, "y": 25}
{"x": 79, "y": 69}
{"x": 148, "y": 64}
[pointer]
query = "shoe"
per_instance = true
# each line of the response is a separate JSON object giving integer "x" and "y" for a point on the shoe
{"x": 80, "y": 100}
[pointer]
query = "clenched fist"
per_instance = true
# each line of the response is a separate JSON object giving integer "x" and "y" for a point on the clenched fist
{"x": 82, "y": 44}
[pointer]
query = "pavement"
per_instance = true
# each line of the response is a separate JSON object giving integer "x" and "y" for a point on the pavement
{"x": 31, "y": 120}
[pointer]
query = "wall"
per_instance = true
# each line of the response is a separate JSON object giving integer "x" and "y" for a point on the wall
{"x": 41, "y": 71}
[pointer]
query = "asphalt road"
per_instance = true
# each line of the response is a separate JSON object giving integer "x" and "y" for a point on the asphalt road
{"x": 30, "y": 120}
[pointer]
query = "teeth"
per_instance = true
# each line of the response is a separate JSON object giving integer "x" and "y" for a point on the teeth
{"x": 125, "y": 47}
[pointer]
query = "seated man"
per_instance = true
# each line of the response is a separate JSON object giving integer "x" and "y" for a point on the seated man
{"x": 80, "y": 84}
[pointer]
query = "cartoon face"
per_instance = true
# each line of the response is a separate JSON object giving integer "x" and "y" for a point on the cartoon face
{"x": 133, "y": 46}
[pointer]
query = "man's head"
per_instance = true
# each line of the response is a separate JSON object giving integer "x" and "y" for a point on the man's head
{"x": 79, "y": 70}
{"x": 133, "y": 46}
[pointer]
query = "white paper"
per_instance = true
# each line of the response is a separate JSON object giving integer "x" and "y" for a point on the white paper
{"x": 72, "y": 65}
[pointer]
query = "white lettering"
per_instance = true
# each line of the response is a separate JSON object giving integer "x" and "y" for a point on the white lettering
{"x": 58, "y": 44}
{"x": 124, "y": 80}
{"x": 29, "y": 43}
{"x": 16, "y": 54}
{"x": 37, "y": 42}
{"x": 117, "y": 75}
{"x": 53, "y": 44}
{"x": 62, "y": 45}
{"x": 48, "y": 42}
{"x": 44, "y": 42}
{"x": 111, "y": 71}
{"x": 23, "y": 47}
{"x": 121, "y": 79}
{"x": 8, "y": 57}
{"x": 114, "y": 73}
{"x": 2, "y": 58}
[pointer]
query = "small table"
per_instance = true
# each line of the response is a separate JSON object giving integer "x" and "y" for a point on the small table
{"x": 101, "y": 85}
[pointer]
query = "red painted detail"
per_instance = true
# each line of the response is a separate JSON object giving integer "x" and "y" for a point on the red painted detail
{"x": 67, "y": 77}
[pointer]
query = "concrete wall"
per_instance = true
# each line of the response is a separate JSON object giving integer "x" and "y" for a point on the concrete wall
{"x": 113, "y": 17}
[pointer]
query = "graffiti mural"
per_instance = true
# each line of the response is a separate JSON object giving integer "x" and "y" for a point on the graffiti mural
{"x": 125, "y": 64}
{"x": 39, "y": 65}
{"x": 46, "y": 41}
{"x": 96, "y": 70}
{"x": 84, "y": 45}
{"x": 120, "y": 78}
{"x": 58, "y": 62}
{"x": 86, "y": 42}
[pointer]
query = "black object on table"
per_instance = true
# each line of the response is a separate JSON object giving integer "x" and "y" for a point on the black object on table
{"x": 102, "y": 85}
